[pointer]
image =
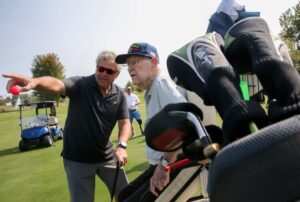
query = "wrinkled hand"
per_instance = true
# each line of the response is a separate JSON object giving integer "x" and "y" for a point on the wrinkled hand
{"x": 121, "y": 156}
{"x": 159, "y": 179}
{"x": 26, "y": 83}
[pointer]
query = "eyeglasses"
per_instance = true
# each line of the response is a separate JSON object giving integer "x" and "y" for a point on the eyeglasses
{"x": 103, "y": 69}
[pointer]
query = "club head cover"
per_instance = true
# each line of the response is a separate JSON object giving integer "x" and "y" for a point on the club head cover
{"x": 167, "y": 130}
{"x": 183, "y": 70}
{"x": 249, "y": 47}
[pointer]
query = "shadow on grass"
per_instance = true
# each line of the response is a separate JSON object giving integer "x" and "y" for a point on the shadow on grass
{"x": 9, "y": 151}
{"x": 141, "y": 137}
{"x": 142, "y": 141}
{"x": 16, "y": 150}
{"x": 138, "y": 167}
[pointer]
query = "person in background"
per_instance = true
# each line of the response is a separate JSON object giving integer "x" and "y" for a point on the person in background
{"x": 133, "y": 101}
{"x": 96, "y": 105}
{"x": 143, "y": 67}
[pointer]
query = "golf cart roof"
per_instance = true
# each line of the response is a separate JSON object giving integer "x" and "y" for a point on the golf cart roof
{"x": 38, "y": 105}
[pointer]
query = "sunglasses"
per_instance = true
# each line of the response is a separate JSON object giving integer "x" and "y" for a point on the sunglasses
{"x": 103, "y": 69}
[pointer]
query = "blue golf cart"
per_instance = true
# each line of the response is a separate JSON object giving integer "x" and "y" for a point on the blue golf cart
{"x": 40, "y": 129}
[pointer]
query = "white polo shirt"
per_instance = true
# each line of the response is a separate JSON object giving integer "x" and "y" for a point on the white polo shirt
{"x": 163, "y": 91}
{"x": 132, "y": 100}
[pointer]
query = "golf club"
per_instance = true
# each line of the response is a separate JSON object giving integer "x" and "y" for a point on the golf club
{"x": 115, "y": 181}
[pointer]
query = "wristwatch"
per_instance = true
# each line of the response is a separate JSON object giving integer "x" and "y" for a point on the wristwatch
{"x": 164, "y": 162}
{"x": 122, "y": 145}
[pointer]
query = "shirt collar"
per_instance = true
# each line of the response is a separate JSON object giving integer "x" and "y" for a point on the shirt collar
{"x": 149, "y": 92}
{"x": 94, "y": 84}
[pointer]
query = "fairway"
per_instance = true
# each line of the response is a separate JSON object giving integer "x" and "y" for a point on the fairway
{"x": 38, "y": 175}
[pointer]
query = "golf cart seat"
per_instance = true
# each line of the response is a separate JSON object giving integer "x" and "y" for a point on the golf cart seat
{"x": 52, "y": 121}
{"x": 263, "y": 166}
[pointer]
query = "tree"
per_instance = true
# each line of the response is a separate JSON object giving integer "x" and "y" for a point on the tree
{"x": 47, "y": 65}
{"x": 290, "y": 23}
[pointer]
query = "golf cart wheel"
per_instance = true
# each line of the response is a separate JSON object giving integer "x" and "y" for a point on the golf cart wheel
{"x": 47, "y": 140}
{"x": 61, "y": 134}
{"x": 23, "y": 146}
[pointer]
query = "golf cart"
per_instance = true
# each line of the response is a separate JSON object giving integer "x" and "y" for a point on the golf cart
{"x": 41, "y": 129}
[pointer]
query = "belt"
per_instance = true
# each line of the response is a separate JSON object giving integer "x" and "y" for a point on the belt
{"x": 131, "y": 110}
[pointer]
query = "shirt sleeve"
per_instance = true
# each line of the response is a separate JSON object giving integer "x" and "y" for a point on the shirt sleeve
{"x": 168, "y": 93}
{"x": 137, "y": 99}
{"x": 123, "y": 112}
{"x": 71, "y": 86}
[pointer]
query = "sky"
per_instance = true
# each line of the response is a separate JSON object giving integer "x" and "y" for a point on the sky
{"x": 77, "y": 30}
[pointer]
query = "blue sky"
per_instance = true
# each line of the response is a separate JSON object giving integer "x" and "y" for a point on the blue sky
{"x": 77, "y": 30}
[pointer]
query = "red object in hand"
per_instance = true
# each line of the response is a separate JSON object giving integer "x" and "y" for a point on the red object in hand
{"x": 15, "y": 90}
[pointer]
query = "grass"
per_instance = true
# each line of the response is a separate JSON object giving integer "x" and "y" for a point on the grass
{"x": 38, "y": 174}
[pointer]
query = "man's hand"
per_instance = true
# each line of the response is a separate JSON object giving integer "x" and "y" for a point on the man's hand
{"x": 159, "y": 179}
{"x": 121, "y": 155}
{"x": 45, "y": 83}
{"x": 26, "y": 83}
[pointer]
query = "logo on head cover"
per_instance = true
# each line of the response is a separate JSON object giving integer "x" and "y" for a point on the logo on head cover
{"x": 205, "y": 57}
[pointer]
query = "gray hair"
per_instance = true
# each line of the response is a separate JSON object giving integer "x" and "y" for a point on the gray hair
{"x": 108, "y": 56}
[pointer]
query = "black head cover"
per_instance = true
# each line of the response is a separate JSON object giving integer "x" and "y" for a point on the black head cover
{"x": 183, "y": 70}
{"x": 249, "y": 47}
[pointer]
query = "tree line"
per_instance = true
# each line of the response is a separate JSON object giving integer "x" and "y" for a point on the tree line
{"x": 290, "y": 33}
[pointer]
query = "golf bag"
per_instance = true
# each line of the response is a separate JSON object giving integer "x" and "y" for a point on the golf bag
{"x": 259, "y": 164}
{"x": 263, "y": 166}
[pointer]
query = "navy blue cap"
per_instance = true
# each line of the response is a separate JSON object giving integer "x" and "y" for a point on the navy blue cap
{"x": 138, "y": 49}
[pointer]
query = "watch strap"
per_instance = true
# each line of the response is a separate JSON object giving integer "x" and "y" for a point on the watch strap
{"x": 122, "y": 144}
{"x": 164, "y": 162}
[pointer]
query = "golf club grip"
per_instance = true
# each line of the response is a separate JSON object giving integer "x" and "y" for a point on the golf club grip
{"x": 177, "y": 164}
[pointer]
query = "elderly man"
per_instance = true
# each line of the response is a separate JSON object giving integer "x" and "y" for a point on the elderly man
{"x": 143, "y": 66}
{"x": 96, "y": 104}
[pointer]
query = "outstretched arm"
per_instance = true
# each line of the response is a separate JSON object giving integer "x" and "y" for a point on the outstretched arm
{"x": 45, "y": 83}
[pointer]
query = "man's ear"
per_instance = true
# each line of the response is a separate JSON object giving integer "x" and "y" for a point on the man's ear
{"x": 155, "y": 60}
{"x": 118, "y": 70}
